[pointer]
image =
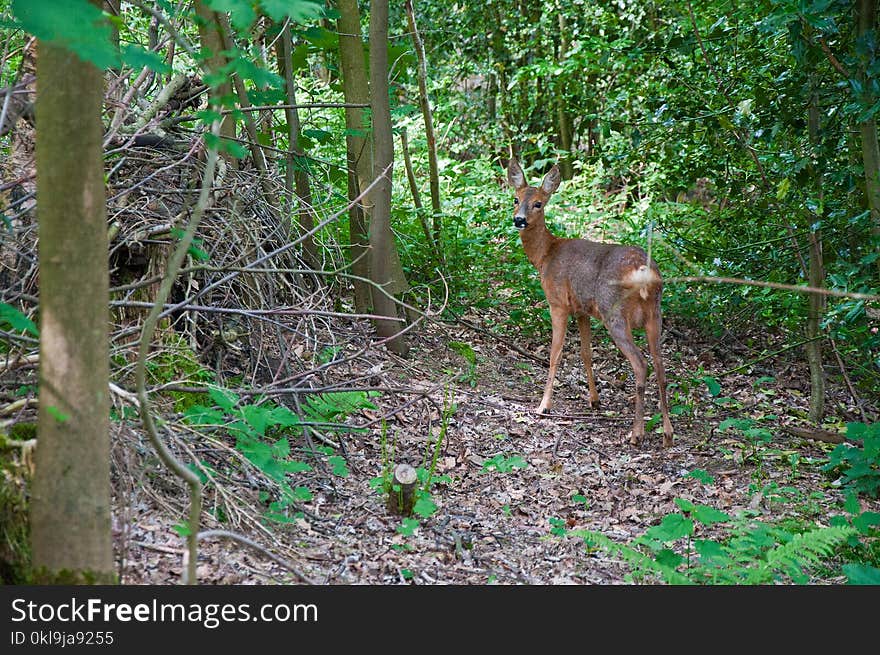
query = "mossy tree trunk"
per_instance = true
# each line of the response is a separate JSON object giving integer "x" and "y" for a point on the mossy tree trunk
{"x": 70, "y": 505}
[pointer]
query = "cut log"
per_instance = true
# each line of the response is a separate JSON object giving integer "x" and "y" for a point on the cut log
{"x": 401, "y": 495}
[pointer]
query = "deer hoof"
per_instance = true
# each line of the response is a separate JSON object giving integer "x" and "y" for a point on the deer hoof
{"x": 594, "y": 404}
{"x": 543, "y": 409}
{"x": 634, "y": 439}
{"x": 667, "y": 440}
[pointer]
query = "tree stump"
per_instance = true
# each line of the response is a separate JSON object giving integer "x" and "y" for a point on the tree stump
{"x": 401, "y": 495}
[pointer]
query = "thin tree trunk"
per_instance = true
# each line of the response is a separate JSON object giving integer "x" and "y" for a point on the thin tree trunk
{"x": 212, "y": 41}
{"x": 70, "y": 503}
{"x": 563, "y": 119}
{"x": 385, "y": 269}
{"x": 295, "y": 173}
{"x": 359, "y": 159}
{"x": 816, "y": 280}
{"x": 866, "y": 20}
{"x": 414, "y": 188}
{"x": 433, "y": 173}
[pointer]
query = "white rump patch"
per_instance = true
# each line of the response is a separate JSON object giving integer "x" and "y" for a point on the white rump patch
{"x": 642, "y": 278}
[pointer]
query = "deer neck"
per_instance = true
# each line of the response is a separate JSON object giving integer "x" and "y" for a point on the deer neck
{"x": 537, "y": 241}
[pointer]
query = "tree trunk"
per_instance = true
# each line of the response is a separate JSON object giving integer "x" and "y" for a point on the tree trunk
{"x": 296, "y": 173}
{"x": 866, "y": 19}
{"x": 359, "y": 159}
{"x": 817, "y": 280}
{"x": 414, "y": 188}
{"x": 385, "y": 268}
{"x": 563, "y": 119}
{"x": 70, "y": 505}
{"x": 433, "y": 173}
{"x": 212, "y": 40}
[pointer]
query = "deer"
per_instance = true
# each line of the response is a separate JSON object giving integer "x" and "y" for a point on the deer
{"x": 618, "y": 284}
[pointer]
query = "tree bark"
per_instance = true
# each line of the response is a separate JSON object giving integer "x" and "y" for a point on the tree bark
{"x": 212, "y": 40}
{"x": 866, "y": 19}
{"x": 433, "y": 172}
{"x": 358, "y": 155}
{"x": 563, "y": 119}
{"x": 816, "y": 280}
{"x": 385, "y": 268}
{"x": 70, "y": 504}
{"x": 295, "y": 174}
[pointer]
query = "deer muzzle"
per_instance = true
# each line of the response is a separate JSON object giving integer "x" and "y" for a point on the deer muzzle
{"x": 519, "y": 221}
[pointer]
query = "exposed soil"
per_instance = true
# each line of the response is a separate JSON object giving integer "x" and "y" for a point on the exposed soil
{"x": 492, "y": 525}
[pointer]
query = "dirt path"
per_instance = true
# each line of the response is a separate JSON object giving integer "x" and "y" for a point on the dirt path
{"x": 571, "y": 469}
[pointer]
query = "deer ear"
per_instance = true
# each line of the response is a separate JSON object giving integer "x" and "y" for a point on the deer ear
{"x": 515, "y": 176}
{"x": 551, "y": 180}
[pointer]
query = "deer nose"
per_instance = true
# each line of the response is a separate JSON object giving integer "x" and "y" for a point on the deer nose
{"x": 519, "y": 221}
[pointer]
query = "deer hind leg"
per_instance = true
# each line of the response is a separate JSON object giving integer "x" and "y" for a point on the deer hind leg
{"x": 559, "y": 318}
{"x": 622, "y": 336}
{"x": 587, "y": 357}
{"x": 652, "y": 333}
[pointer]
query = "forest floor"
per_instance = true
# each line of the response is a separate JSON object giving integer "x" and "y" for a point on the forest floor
{"x": 498, "y": 517}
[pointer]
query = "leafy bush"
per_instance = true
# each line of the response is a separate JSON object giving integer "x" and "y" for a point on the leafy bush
{"x": 859, "y": 466}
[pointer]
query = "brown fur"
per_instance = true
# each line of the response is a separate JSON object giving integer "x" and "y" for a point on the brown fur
{"x": 614, "y": 283}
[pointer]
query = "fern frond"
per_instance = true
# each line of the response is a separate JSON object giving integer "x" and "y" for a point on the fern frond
{"x": 635, "y": 559}
{"x": 803, "y": 550}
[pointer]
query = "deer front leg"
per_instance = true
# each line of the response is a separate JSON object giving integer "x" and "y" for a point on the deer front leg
{"x": 587, "y": 357}
{"x": 559, "y": 318}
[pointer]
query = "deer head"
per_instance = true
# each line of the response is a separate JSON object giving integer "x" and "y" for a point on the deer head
{"x": 529, "y": 201}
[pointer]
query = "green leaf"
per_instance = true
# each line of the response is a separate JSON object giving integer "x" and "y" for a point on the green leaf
{"x": 57, "y": 414}
{"x": 241, "y": 11}
{"x": 861, "y": 574}
{"x": 709, "y": 515}
{"x": 223, "y": 398}
{"x": 76, "y": 25}
{"x": 302, "y": 494}
{"x": 668, "y": 557}
{"x": 710, "y": 551}
{"x": 137, "y": 57}
{"x": 182, "y": 529}
{"x": 714, "y": 387}
{"x": 299, "y": 11}
{"x": 684, "y": 505}
{"x": 672, "y": 527}
{"x": 407, "y": 527}
{"x": 16, "y": 320}
{"x": 424, "y": 507}
{"x": 851, "y": 505}
{"x": 865, "y": 521}
{"x": 701, "y": 476}
{"x": 339, "y": 466}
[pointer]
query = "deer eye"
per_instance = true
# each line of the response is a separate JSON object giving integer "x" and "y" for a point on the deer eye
{"x": 516, "y": 201}
{"x": 538, "y": 205}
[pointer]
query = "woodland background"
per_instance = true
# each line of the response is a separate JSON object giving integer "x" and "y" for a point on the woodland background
{"x": 254, "y": 255}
